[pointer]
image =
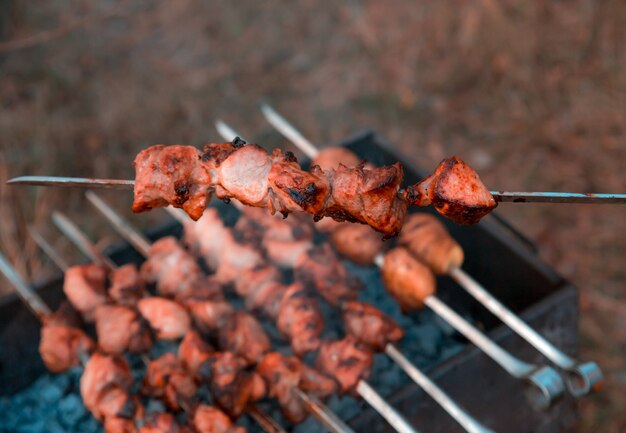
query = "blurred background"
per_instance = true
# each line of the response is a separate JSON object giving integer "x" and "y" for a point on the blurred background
{"x": 531, "y": 93}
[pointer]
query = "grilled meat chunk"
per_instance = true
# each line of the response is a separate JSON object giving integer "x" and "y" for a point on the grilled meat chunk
{"x": 117, "y": 424}
{"x": 267, "y": 299}
{"x": 231, "y": 383}
{"x": 455, "y": 190}
{"x": 346, "y": 361}
{"x": 193, "y": 351}
{"x": 85, "y": 287}
{"x": 167, "y": 378}
{"x": 330, "y": 158}
{"x": 300, "y": 319}
{"x": 167, "y": 319}
{"x": 171, "y": 175}
{"x": 358, "y": 243}
{"x": 209, "y": 419}
{"x": 283, "y": 374}
{"x": 164, "y": 423}
{"x": 127, "y": 287}
{"x": 62, "y": 341}
{"x": 251, "y": 279}
{"x": 122, "y": 329}
{"x": 322, "y": 269}
{"x": 407, "y": 279}
{"x": 214, "y": 242}
{"x": 209, "y": 315}
{"x": 243, "y": 335}
{"x": 370, "y": 326}
{"x": 426, "y": 238}
{"x": 176, "y": 272}
{"x": 104, "y": 387}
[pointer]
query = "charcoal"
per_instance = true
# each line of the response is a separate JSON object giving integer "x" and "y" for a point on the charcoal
{"x": 70, "y": 410}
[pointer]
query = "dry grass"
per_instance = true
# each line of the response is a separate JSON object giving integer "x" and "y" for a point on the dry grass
{"x": 532, "y": 93}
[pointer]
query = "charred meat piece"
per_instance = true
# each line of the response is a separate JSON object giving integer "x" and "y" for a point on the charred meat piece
{"x": 300, "y": 319}
{"x": 62, "y": 341}
{"x": 331, "y": 157}
{"x": 176, "y": 272}
{"x": 127, "y": 287}
{"x": 430, "y": 242}
{"x": 283, "y": 374}
{"x": 193, "y": 351}
{"x": 167, "y": 319}
{"x": 209, "y": 419}
{"x": 370, "y": 326}
{"x": 163, "y": 423}
{"x": 358, "y": 243}
{"x": 455, "y": 190}
{"x": 117, "y": 424}
{"x": 122, "y": 329}
{"x": 266, "y": 298}
{"x": 209, "y": 315}
{"x": 231, "y": 383}
{"x": 214, "y": 242}
{"x": 243, "y": 335}
{"x": 366, "y": 195}
{"x": 251, "y": 279}
{"x": 171, "y": 175}
{"x": 346, "y": 361}
{"x": 407, "y": 279}
{"x": 85, "y": 287}
{"x": 167, "y": 378}
{"x": 104, "y": 387}
{"x": 322, "y": 269}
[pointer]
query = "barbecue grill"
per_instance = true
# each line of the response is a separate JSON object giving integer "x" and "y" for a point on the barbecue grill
{"x": 496, "y": 255}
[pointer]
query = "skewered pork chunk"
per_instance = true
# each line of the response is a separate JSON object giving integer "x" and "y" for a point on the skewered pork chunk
{"x": 166, "y": 378}
{"x": 243, "y": 335}
{"x": 370, "y": 326}
{"x": 455, "y": 190}
{"x": 408, "y": 280}
{"x": 176, "y": 272}
{"x": 127, "y": 287}
{"x": 209, "y": 315}
{"x": 251, "y": 279}
{"x": 300, "y": 319}
{"x": 104, "y": 387}
{"x": 331, "y": 157}
{"x": 346, "y": 361}
{"x": 232, "y": 385}
{"x": 425, "y": 237}
{"x": 171, "y": 175}
{"x": 214, "y": 242}
{"x": 121, "y": 329}
{"x": 85, "y": 287}
{"x": 117, "y": 424}
{"x": 209, "y": 419}
{"x": 167, "y": 319}
{"x": 164, "y": 423}
{"x": 182, "y": 178}
{"x": 193, "y": 351}
{"x": 62, "y": 341}
{"x": 283, "y": 374}
{"x": 359, "y": 243}
{"x": 321, "y": 268}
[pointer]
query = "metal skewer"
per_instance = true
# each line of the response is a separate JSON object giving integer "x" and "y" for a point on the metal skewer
{"x": 90, "y": 250}
{"x": 547, "y": 384}
{"x": 583, "y": 377}
{"x": 454, "y": 410}
{"x": 32, "y": 300}
{"x": 318, "y": 409}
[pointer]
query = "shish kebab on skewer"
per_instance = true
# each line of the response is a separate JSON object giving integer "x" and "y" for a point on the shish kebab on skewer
{"x": 425, "y": 237}
{"x": 171, "y": 377}
{"x": 413, "y": 286}
{"x": 185, "y": 177}
{"x": 294, "y": 402}
{"x": 106, "y": 378}
{"x": 244, "y": 259}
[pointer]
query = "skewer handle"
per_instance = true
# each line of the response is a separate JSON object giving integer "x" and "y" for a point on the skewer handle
{"x": 322, "y": 413}
{"x": 397, "y": 421}
{"x": 558, "y": 197}
{"x": 583, "y": 377}
{"x": 28, "y": 295}
{"x": 72, "y": 182}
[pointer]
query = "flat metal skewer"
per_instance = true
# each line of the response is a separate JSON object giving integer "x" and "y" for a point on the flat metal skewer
{"x": 32, "y": 300}
{"x": 454, "y": 410}
{"x": 318, "y": 409}
{"x": 583, "y": 377}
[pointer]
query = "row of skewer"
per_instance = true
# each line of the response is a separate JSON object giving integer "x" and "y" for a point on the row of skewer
{"x": 544, "y": 383}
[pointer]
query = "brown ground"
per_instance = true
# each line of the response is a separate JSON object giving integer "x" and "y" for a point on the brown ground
{"x": 532, "y": 93}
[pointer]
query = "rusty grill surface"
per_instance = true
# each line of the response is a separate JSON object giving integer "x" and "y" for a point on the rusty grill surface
{"x": 32, "y": 400}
